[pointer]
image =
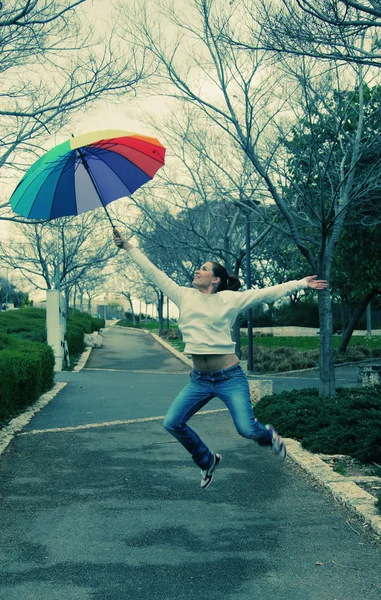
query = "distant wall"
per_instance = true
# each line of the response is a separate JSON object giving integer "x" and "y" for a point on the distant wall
{"x": 299, "y": 331}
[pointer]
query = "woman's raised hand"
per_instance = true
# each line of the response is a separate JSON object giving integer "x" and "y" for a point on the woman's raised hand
{"x": 316, "y": 284}
{"x": 121, "y": 241}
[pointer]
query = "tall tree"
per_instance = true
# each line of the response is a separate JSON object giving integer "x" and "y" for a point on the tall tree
{"x": 326, "y": 29}
{"x": 244, "y": 94}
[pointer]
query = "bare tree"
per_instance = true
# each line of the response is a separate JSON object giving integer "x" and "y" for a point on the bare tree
{"x": 245, "y": 94}
{"x": 61, "y": 254}
{"x": 52, "y": 66}
{"x": 325, "y": 29}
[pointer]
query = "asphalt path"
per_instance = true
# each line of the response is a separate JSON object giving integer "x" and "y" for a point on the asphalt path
{"x": 93, "y": 510}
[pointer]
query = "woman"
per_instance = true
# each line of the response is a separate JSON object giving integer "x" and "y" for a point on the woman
{"x": 207, "y": 313}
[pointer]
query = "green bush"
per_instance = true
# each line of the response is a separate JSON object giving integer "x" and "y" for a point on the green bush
{"x": 349, "y": 423}
{"x": 76, "y": 327}
{"x": 278, "y": 360}
{"x": 26, "y": 371}
{"x": 26, "y": 323}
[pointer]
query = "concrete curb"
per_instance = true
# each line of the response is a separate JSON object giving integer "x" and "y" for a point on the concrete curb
{"x": 82, "y": 361}
{"x": 8, "y": 432}
{"x": 176, "y": 353}
{"x": 343, "y": 489}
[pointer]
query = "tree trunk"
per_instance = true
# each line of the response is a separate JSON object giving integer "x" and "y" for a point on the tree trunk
{"x": 369, "y": 321}
{"x": 132, "y": 310}
{"x": 160, "y": 305}
{"x": 327, "y": 385}
{"x": 342, "y": 317}
{"x": 354, "y": 320}
{"x": 67, "y": 299}
{"x": 74, "y": 299}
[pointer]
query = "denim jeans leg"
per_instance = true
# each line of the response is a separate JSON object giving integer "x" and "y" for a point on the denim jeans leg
{"x": 190, "y": 400}
{"x": 235, "y": 393}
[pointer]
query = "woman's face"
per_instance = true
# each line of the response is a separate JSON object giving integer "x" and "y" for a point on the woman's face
{"x": 204, "y": 278}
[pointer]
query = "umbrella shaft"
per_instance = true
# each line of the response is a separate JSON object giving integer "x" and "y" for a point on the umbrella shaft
{"x": 84, "y": 162}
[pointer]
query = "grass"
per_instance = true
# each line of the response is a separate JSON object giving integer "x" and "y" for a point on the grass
{"x": 300, "y": 344}
{"x": 309, "y": 342}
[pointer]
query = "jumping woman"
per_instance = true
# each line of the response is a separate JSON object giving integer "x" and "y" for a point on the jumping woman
{"x": 207, "y": 313}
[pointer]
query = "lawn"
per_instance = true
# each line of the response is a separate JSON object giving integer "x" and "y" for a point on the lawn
{"x": 309, "y": 342}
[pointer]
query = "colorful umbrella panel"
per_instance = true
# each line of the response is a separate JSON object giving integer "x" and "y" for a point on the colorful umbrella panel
{"x": 87, "y": 172}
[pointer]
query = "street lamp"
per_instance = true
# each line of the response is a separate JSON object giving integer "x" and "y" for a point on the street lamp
{"x": 248, "y": 286}
{"x": 249, "y": 313}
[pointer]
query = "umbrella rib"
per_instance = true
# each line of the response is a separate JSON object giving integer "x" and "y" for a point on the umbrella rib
{"x": 63, "y": 172}
{"x": 29, "y": 185}
{"x": 84, "y": 162}
{"x": 115, "y": 173}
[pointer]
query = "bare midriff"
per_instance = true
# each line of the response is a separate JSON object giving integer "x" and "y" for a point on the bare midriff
{"x": 214, "y": 362}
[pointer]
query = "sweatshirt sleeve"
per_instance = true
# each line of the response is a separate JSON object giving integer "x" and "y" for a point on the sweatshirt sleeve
{"x": 163, "y": 282}
{"x": 249, "y": 298}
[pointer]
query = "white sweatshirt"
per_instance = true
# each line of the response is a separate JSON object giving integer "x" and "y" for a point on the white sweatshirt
{"x": 206, "y": 319}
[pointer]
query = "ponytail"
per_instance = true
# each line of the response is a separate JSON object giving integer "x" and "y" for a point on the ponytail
{"x": 227, "y": 282}
{"x": 233, "y": 283}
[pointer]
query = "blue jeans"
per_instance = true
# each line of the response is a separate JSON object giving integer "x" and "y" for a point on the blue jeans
{"x": 230, "y": 386}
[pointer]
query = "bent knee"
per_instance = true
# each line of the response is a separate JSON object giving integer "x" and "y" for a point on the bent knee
{"x": 249, "y": 432}
{"x": 171, "y": 425}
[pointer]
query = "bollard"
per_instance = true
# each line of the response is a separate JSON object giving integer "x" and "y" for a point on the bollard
{"x": 259, "y": 388}
{"x": 369, "y": 375}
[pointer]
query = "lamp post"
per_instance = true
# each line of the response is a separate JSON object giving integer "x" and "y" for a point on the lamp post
{"x": 248, "y": 286}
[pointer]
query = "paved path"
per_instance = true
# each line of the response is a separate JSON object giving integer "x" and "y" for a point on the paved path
{"x": 115, "y": 512}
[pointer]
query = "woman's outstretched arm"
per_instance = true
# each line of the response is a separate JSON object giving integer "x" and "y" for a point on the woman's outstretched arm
{"x": 271, "y": 294}
{"x": 163, "y": 282}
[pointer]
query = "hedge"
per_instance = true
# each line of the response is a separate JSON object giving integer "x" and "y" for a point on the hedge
{"x": 26, "y": 371}
{"x": 26, "y": 360}
{"x": 349, "y": 423}
{"x": 30, "y": 324}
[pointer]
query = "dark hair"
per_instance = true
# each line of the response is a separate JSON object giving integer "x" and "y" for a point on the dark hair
{"x": 227, "y": 282}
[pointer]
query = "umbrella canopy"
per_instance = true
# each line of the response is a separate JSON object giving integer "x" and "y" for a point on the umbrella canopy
{"x": 87, "y": 172}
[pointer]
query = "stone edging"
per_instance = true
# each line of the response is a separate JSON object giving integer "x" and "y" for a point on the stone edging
{"x": 172, "y": 349}
{"x": 343, "y": 489}
{"x": 15, "y": 425}
{"x": 82, "y": 361}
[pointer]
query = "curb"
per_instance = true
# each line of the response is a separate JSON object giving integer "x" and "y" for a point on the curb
{"x": 15, "y": 425}
{"x": 178, "y": 354}
{"x": 343, "y": 489}
{"x": 82, "y": 361}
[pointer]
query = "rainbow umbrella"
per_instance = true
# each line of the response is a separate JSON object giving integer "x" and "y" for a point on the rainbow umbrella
{"x": 87, "y": 172}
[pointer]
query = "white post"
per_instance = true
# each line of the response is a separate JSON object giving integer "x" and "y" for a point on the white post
{"x": 55, "y": 324}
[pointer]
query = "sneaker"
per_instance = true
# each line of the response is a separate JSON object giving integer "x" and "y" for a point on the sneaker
{"x": 277, "y": 445}
{"x": 207, "y": 474}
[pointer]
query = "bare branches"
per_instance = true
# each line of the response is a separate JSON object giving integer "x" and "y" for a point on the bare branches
{"x": 65, "y": 252}
{"x": 53, "y": 66}
{"x": 326, "y": 29}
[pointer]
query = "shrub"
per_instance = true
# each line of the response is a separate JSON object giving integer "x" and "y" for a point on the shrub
{"x": 26, "y": 323}
{"x": 76, "y": 327}
{"x": 277, "y": 360}
{"x": 26, "y": 371}
{"x": 349, "y": 423}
